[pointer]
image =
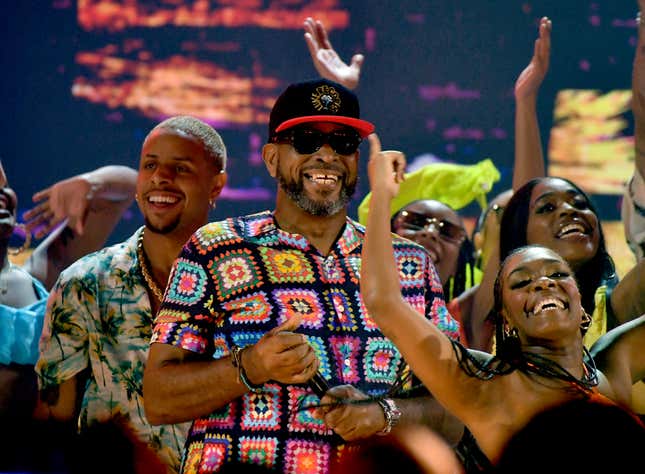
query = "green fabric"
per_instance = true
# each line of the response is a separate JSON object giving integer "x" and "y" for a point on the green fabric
{"x": 477, "y": 279}
{"x": 452, "y": 184}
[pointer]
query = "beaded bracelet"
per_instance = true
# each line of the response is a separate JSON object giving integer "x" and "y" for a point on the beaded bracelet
{"x": 236, "y": 360}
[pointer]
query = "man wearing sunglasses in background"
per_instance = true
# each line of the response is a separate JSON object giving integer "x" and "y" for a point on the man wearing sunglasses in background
{"x": 257, "y": 306}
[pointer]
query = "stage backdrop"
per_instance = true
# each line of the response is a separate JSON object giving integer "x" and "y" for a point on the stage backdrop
{"x": 84, "y": 81}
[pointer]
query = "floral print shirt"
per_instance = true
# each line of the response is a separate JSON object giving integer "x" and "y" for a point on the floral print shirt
{"x": 98, "y": 326}
{"x": 237, "y": 279}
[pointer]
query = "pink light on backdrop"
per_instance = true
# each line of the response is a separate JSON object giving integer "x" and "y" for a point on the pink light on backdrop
{"x": 114, "y": 15}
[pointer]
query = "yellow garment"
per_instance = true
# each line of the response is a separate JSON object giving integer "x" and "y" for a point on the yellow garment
{"x": 452, "y": 184}
{"x": 638, "y": 397}
{"x": 598, "y": 325}
{"x": 477, "y": 278}
{"x": 598, "y": 328}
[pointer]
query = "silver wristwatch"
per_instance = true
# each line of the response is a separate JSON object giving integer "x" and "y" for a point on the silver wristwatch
{"x": 392, "y": 415}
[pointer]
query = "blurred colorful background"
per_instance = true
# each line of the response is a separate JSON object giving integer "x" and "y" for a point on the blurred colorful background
{"x": 84, "y": 81}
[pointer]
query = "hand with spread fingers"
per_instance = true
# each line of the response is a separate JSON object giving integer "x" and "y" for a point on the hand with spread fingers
{"x": 281, "y": 355}
{"x": 68, "y": 199}
{"x": 326, "y": 60}
{"x": 351, "y": 421}
{"x": 530, "y": 79}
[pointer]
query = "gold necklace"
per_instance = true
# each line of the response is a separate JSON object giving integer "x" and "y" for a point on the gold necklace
{"x": 143, "y": 265}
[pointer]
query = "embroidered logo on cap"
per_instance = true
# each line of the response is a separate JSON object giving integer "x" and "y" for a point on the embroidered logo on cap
{"x": 325, "y": 98}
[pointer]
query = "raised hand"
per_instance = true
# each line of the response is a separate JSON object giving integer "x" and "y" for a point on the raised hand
{"x": 326, "y": 60}
{"x": 385, "y": 169}
{"x": 67, "y": 199}
{"x": 530, "y": 79}
{"x": 638, "y": 70}
{"x": 281, "y": 355}
{"x": 351, "y": 421}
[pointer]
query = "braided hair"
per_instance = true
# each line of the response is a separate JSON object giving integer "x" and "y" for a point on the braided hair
{"x": 464, "y": 277}
{"x": 510, "y": 356}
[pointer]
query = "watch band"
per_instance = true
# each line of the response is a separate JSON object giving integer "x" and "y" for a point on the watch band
{"x": 236, "y": 360}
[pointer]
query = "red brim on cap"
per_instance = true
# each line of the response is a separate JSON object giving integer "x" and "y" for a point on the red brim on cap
{"x": 363, "y": 127}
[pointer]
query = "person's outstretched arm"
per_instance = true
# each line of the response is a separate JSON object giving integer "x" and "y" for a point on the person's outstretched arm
{"x": 633, "y": 204}
{"x": 628, "y": 297}
{"x": 529, "y": 164}
{"x": 620, "y": 356}
{"x": 638, "y": 90}
{"x": 529, "y": 158}
{"x": 325, "y": 58}
{"x": 78, "y": 213}
{"x": 428, "y": 351}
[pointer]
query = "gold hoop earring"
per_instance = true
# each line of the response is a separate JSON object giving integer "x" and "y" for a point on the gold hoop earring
{"x": 25, "y": 244}
{"x": 477, "y": 255}
{"x": 510, "y": 333}
{"x": 586, "y": 321}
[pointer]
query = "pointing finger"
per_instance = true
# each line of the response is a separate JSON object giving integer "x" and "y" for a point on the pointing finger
{"x": 375, "y": 144}
{"x": 290, "y": 324}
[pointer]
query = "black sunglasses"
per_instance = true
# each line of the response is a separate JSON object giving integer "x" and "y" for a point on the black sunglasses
{"x": 416, "y": 222}
{"x": 307, "y": 141}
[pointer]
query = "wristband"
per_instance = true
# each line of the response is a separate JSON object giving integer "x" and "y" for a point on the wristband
{"x": 392, "y": 415}
{"x": 236, "y": 360}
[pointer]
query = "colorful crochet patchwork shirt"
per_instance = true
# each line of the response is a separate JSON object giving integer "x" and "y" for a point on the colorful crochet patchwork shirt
{"x": 237, "y": 279}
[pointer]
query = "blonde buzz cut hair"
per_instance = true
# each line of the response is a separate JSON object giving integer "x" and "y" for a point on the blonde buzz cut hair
{"x": 204, "y": 133}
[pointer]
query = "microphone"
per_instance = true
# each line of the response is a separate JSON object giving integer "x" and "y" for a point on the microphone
{"x": 318, "y": 384}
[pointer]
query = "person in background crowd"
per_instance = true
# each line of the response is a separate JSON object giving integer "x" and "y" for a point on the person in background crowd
{"x": 92, "y": 204}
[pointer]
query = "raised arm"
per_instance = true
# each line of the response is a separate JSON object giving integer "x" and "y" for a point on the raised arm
{"x": 428, "y": 351}
{"x": 638, "y": 90}
{"x": 326, "y": 60}
{"x": 628, "y": 296}
{"x": 529, "y": 164}
{"x": 478, "y": 302}
{"x": 529, "y": 159}
{"x": 620, "y": 356}
{"x": 88, "y": 206}
{"x": 633, "y": 204}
